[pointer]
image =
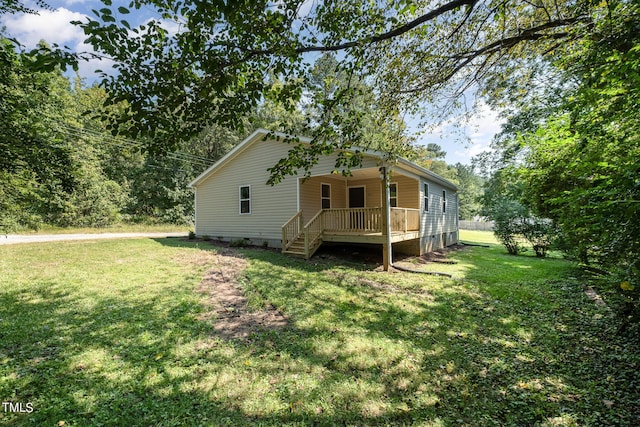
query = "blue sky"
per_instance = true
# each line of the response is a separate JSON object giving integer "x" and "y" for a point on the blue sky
{"x": 460, "y": 142}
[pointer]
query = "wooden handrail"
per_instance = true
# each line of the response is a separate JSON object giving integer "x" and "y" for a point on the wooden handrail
{"x": 315, "y": 218}
{"x": 292, "y": 229}
{"x": 313, "y": 233}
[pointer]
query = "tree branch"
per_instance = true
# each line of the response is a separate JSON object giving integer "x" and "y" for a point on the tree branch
{"x": 532, "y": 34}
{"x": 371, "y": 39}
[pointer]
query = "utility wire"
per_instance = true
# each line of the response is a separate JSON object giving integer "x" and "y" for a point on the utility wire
{"x": 127, "y": 143}
{"x": 122, "y": 142}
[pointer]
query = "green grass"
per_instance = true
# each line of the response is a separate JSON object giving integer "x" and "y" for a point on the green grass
{"x": 117, "y": 228}
{"x": 109, "y": 333}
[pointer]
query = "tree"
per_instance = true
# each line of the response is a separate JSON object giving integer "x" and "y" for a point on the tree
{"x": 212, "y": 70}
{"x": 17, "y": 6}
{"x": 471, "y": 189}
{"x": 33, "y": 159}
{"x": 576, "y": 155}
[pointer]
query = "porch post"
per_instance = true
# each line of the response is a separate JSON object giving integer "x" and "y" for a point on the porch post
{"x": 387, "y": 255}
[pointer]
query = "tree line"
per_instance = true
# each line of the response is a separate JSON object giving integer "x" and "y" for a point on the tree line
{"x": 61, "y": 166}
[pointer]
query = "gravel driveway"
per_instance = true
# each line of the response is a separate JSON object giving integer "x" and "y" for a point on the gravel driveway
{"x": 34, "y": 238}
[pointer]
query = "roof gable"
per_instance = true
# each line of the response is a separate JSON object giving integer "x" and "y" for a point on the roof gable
{"x": 261, "y": 134}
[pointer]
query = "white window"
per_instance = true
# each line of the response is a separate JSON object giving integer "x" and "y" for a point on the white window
{"x": 393, "y": 195}
{"x": 325, "y": 196}
{"x": 444, "y": 201}
{"x": 245, "y": 199}
{"x": 425, "y": 187}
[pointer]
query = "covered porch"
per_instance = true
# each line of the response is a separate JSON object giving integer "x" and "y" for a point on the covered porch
{"x": 352, "y": 210}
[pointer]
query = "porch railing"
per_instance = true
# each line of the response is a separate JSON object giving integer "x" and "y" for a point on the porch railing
{"x": 346, "y": 220}
{"x": 292, "y": 229}
{"x": 357, "y": 220}
{"x": 405, "y": 219}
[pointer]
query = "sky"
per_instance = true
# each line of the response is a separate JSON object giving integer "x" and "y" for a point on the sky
{"x": 461, "y": 143}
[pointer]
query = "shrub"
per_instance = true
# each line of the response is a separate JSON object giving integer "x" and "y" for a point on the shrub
{"x": 540, "y": 232}
{"x": 513, "y": 224}
{"x": 239, "y": 243}
{"x": 508, "y": 216}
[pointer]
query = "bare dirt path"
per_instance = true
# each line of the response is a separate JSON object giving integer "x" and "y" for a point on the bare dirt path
{"x": 12, "y": 239}
{"x": 228, "y": 306}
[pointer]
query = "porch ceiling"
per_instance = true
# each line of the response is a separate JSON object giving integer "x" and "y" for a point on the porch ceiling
{"x": 367, "y": 173}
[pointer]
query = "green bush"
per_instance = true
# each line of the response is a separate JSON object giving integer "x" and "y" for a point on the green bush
{"x": 514, "y": 224}
{"x": 508, "y": 216}
{"x": 240, "y": 243}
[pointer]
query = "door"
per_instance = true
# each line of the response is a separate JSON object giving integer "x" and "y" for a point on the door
{"x": 356, "y": 197}
{"x": 356, "y": 200}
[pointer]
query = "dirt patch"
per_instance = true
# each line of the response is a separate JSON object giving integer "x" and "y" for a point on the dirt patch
{"x": 593, "y": 296}
{"x": 439, "y": 256}
{"x": 196, "y": 258}
{"x": 227, "y": 304}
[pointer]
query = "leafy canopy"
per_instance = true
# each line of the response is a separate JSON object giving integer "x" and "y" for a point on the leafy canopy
{"x": 203, "y": 63}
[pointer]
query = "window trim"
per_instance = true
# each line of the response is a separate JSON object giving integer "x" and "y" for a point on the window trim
{"x": 425, "y": 197}
{"x": 323, "y": 198}
{"x": 396, "y": 197}
{"x": 240, "y": 199}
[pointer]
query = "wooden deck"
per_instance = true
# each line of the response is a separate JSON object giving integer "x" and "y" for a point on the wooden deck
{"x": 371, "y": 237}
{"x": 349, "y": 225}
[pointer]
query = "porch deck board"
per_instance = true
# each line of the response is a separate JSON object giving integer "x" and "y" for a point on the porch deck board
{"x": 368, "y": 237}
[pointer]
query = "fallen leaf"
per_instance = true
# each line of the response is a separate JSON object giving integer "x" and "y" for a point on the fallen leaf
{"x": 627, "y": 286}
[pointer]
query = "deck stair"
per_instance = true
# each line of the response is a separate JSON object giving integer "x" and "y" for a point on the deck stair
{"x": 296, "y": 248}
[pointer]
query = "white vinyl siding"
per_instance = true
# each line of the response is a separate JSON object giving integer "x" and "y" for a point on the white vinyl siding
{"x": 440, "y": 218}
{"x": 218, "y": 204}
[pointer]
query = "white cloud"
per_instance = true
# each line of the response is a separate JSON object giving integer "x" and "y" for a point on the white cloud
{"x": 54, "y": 27}
{"x": 72, "y": 2}
{"x": 464, "y": 138}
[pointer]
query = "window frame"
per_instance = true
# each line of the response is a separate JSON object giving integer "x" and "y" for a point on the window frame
{"x": 240, "y": 199}
{"x": 444, "y": 202}
{"x": 322, "y": 197}
{"x": 393, "y": 197}
{"x": 425, "y": 197}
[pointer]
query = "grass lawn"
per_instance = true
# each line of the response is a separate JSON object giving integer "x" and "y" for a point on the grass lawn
{"x": 112, "y": 333}
{"x": 117, "y": 228}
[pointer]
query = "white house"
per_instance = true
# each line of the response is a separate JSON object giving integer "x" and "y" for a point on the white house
{"x": 233, "y": 201}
